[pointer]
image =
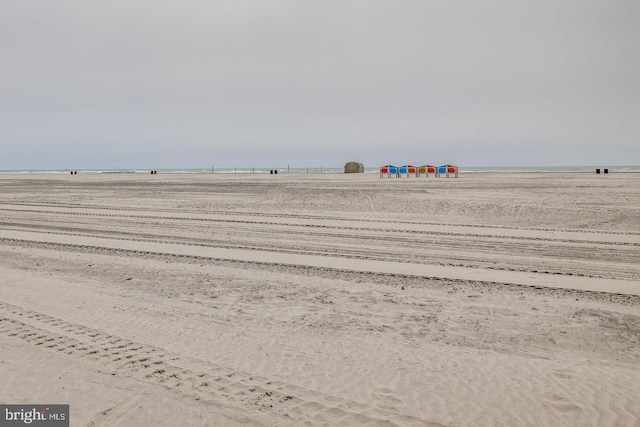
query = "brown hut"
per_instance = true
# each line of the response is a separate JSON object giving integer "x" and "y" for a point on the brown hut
{"x": 353, "y": 167}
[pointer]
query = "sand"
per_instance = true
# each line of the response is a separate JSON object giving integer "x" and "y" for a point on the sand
{"x": 490, "y": 299}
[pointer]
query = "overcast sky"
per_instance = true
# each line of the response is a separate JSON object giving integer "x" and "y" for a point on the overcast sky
{"x": 144, "y": 84}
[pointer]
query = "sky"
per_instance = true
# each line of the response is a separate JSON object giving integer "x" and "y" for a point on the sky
{"x": 165, "y": 84}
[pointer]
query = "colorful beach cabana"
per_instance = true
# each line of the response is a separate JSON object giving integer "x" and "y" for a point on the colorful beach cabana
{"x": 408, "y": 170}
{"x": 426, "y": 170}
{"x": 388, "y": 170}
{"x": 447, "y": 170}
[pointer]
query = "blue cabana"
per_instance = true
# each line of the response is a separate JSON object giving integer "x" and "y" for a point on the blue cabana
{"x": 407, "y": 169}
{"x": 446, "y": 170}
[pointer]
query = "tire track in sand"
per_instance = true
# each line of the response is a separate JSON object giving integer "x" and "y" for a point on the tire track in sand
{"x": 339, "y": 263}
{"x": 328, "y": 222}
{"x": 268, "y": 401}
{"x": 588, "y": 257}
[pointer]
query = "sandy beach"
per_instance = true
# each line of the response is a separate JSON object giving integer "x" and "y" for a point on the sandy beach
{"x": 323, "y": 299}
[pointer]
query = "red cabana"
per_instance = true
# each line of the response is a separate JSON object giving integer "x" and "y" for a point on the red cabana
{"x": 388, "y": 170}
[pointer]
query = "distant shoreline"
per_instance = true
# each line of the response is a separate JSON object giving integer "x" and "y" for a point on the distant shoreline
{"x": 328, "y": 170}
